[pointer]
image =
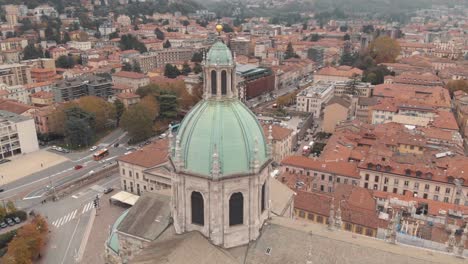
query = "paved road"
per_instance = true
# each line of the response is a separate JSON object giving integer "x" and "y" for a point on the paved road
{"x": 69, "y": 219}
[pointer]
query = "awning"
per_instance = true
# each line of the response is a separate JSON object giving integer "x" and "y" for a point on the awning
{"x": 125, "y": 197}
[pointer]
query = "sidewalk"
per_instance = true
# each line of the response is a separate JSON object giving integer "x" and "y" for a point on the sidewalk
{"x": 94, "y": 252}
{"x": 26, "y": 164}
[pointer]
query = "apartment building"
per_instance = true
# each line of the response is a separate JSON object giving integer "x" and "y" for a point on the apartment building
{"x": 338, "y": 74}
{"x": 282, "y": 141}
{"x": 159, "y": 58}
{"x": 132, "y": 80}
{"x": 361, "y": 89}
{"x": 71, "y": 89}
{"x": 314, "y": 98}
{"x": 240, "y": 46}
{"x": 17, "y": 134}
{"x": 146, "y": 169}
{"x": 317, "y": 175}
{"x": 15, "y": 74}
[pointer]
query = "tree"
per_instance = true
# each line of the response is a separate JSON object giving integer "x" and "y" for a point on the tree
{"x": 168, "y": 106}
{"x": 151, "y": 106}
{"x": 31, "y": 52}
{"x": 343, "y": 28}
{"x": 384, "y": 49}
{"x": 185, "y": 23}
{"x": 64, "y": 61}
{"x": 3, "y": 212}
{"x": 159, "y": 34}
{"x": 375, "y": 74}
{"x": 186, "y": 69}
{"x": 171, "y": 71}
{"x": 227, "y": 28}
{"x": 346, "y": 37}
{"x": 138, "y": 122}
{"x": 128, "y": 42}
{"x": 457, "y": 85}
{"x": 127, "y": 67}
{"x": 197, "y": 68}
{"x": 114, "y": 35}
{"x": 290, "y": 52}
{"x": 167, "y": 44}
{"x": 47, "y": 54}
{"x": 66, "y": 37}
{"x": 11, "y": 208}
{"x": 348, "y": 58}
{"x": 79, "y": 127}
{"x": 119, "y": 110}
{"x": 197, "y": 57}
{"x": 102, "y": 111}
{"x": 315, "y": 37}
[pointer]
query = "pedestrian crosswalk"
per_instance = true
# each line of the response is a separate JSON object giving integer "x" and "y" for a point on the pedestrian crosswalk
{"x": 64, "y": 219}
{"x": 72, "y": 215}
{"x": 87, "y": 207}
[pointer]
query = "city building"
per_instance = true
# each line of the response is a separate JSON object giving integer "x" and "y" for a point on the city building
{"x": 339, "y": 74}
{"x": 85, "y": 85}
{"x": 240, "y": 46}
{"x": 313, "y": 98}
{"x": 79, "y": 45}
{"x": 15, "y": 74}
{"x": 132, "y": 80}
{"x": 128, "y": 99}
{"x": 336, "y": 110}
{"x": 282, "y": 141}
{"x": 362, "y": 108}
{"x": 18, "y": 134}
{"x": 254, "y": 81}
{"x": 159, "y": 58}
{"x": 351, "y": 88}
{"x": 42, "y": 98}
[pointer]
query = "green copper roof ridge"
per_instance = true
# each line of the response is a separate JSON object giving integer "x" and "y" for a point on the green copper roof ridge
{"x": 258, "y": 124}
{"x": 242, "y": 127}
{"x": 202, "y": 107}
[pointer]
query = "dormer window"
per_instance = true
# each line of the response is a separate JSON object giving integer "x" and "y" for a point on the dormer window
{"x": 418, "y": 174}
{"x": 408, "y": 172}
{"x": 378, "y": 167}
{"x": 428, "y": 175}
{"x": 370, "y": 165}
{"x": 388, "y": 168}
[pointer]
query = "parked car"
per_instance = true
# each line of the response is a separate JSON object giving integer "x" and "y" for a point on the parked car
{"x": 65, "y": 150}
{"x": 93, "y": 148}
{"x": 163, "y": 135}
{"x": 10, "y": 222}
{"x": 54, "y": 147}
{"x": 77, "y": 167}
{"x": 17, "y": 220}
{"x": 59, "y": 149}
{"x": 3, "y": 225}
{"x": 108, "y": 190}
{"x": 91, "y": 172}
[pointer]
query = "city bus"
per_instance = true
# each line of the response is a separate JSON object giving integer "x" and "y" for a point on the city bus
{"x": 100, "y": 154}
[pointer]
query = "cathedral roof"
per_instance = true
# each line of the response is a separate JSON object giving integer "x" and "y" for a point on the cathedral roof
{"x": 219, "y": 54}
{"x": 227, "y": 128}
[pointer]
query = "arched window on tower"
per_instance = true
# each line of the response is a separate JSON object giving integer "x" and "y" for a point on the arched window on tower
{"x": 198, "y": 212}
{"x": 214, "y": 82}
{"x": 223, "y": 82}
{"x": 263, "y": 197}
{"x": 236, "y": 209}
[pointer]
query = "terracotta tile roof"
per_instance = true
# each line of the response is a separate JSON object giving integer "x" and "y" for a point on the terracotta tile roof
{"x": 356, "y": 203}
{"x": 130, "y": 75}
{"x": 344, "y": 168}
{"x": 14, "y": 106}
{"x": 343, "y": 71}
{"x": 149, "y": 156}
{"x": 278, "y": 132}
{"x": 43, "y": 95}
{"x": 445, "y": 120}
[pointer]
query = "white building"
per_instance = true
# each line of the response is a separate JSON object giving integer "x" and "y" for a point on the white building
{"x": 80, "y": 45}
{"x": 314, "y": 97}
{"x": 17, "y": 134}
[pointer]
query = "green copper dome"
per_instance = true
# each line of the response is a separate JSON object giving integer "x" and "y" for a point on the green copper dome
{"x": 219, "y": 54}
{"x": 227, "y": 128}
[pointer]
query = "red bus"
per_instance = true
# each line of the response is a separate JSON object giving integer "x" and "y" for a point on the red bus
{"x": 100, "y": 154}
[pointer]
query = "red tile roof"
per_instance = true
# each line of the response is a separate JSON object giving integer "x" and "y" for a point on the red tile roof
{"x": 277, "y": 132}
{"x": 149, "y": 156}
{"x": 344, "y": 168}
{"x": 130, "y": 75}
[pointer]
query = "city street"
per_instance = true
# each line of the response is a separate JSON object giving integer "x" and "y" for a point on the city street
{"x": 69, "y": 218}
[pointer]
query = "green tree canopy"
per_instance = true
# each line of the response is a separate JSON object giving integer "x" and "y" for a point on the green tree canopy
{"x": 128, "y": 42}
{"x": 31, "y": 52}
{"x": 290, "y": 52}
{"x": 186, "y": 69}
{"x": 167, "y": 44}
{"x": 171, "y": 71}
{"x": 159, "y": 34}
{"x": 119, "y": 110}
{"x": 384, "y": 49}
{"x": 138, "y": 122}
{"x": 65, "y": 62}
